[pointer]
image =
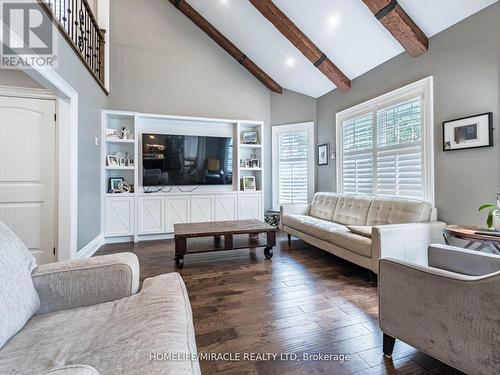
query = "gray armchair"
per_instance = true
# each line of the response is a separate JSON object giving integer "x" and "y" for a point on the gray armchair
{"x": 449, "y": 309}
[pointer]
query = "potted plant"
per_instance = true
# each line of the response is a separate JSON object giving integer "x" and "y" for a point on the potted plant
{"x": 493, "y": 219}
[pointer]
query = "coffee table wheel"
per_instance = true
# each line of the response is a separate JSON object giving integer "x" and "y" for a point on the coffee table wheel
{"x": 268, "y": 252}
{"x": 179, "y": 261}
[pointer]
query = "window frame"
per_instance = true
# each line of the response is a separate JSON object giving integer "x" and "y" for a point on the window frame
{"x": 423, "y": 89}
{"x": 311, "y": 164}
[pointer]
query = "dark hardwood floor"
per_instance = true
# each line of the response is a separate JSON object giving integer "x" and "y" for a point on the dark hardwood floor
{"x": 303, "y": 301}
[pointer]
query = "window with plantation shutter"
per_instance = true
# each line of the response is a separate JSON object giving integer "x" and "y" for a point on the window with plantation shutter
{"x": 293, "y": 170}
{"x": 386, "y": 145}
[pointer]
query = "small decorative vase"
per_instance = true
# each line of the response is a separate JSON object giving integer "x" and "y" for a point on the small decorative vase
{"x": 496, "y": 220}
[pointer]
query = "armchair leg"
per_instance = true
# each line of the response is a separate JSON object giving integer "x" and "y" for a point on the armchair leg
{"x": 370, "y": 275}
{"x": 289, "y": 239}
{"x": 388, "y": 345}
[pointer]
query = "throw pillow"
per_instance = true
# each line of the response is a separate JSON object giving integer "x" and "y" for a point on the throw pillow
{"x": 18, "y": 298}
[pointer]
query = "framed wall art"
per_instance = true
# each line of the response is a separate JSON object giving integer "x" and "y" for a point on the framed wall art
{"x": 323, "y": 154}
{"x": 468, "y": 132}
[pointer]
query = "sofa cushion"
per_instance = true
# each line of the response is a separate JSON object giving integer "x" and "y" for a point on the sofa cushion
{"x": 398, "y": 211}
{"x": 362, "y": 230}
{"x": 352, "y": 209}
{"x": 356, "y": 243}
{"x": 323, "y": 205}
{"x": 18, "y": 298}
{"x": 128, "y": 336}
{"x": 311, "y": 225}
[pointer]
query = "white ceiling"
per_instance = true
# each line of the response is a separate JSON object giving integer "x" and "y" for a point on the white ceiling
{"x": 345, "y": 30}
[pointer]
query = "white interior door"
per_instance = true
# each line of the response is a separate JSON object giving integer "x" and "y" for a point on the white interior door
{"x": 27, "y": 172}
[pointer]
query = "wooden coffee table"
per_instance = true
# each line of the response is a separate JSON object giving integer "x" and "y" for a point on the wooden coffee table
{"x": 238, "y": 234}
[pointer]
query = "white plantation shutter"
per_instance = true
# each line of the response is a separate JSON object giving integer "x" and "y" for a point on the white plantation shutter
{"x": 292, "y": 164}
{"x": 399, "y": 150}
{"x": 357, "y": 171}
{"x": 385, "y": 145}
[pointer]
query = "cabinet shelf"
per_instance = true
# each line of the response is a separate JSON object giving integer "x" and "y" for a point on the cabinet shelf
{"x": 250, "y": 169}
{"x": 118, "y": 140}
{"x": 249, "y": 145}
{"x": 118, "y": 167}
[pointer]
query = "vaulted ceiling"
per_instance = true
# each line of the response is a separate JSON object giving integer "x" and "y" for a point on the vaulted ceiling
{"x": 345, "y": 31}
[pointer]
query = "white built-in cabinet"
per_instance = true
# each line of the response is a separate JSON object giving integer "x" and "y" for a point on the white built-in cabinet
{"x": 151, "y": 216}
{"x": 157, "y": 213}
{"x": 139, "y": 214}
{"x": 119, "y": 216}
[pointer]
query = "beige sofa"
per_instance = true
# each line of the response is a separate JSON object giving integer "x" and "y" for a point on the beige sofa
{"x": 87, "y": 317}
{"x": 362, "y": 229}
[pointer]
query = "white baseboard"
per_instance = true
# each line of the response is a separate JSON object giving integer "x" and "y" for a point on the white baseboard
{"x": 88, "y": 250}
{"x": 120, "y": 239}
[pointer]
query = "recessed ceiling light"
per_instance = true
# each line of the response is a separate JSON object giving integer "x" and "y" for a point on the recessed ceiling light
{"x": 224, "y": 1}
{"x": 333, "y": 21}
{"x": 290, "y": 62}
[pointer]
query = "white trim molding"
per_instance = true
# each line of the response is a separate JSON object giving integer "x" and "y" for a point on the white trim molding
{"x": 423, "y": 89}
{"x": 91, "y": 248}
{"x": 67, "y": 145}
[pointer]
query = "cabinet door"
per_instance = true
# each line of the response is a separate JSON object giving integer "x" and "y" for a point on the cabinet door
{"x": 226, "y": 207}
{"x": 177, "y": 211}
{"x": 119, "y": 216}
{"x": 151, "y": 215}
{"x": 202, "y": 208}
{"x": 250, "y": 206}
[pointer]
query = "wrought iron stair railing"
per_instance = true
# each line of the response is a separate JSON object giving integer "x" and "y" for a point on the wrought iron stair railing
{"x": 78, "y": 25}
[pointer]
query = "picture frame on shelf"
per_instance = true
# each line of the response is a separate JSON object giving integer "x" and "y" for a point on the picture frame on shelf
{"x": 248, "y": 183}
{"x": 468, "y": 132}
{"x": 323, "y": 152}
{"x": 250, "y": 137}
{"x": 112, "y": 161}
{"x": 114, "y": 183}
{"x": 123, "y": 162}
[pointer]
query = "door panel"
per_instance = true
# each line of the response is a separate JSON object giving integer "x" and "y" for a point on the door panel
{"x": 27, "y": 172}
{"x": 119, "y": 216}
{"x": 202, "y": 208}
{"x": 250, "y": 206}
{"x": 151, "y": 215}
{"x": 177, "y": 211}
{"x": 226, "y": 207}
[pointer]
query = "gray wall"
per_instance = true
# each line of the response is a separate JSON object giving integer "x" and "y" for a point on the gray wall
{"x": 163, "y": 63}
{"x": 17, "y": 78}
{"x": 465, "y": 63}
{"x": 91, "y": 100}
{"x": 292, "y": 107}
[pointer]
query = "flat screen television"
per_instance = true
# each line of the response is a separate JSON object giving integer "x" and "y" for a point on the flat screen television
{"x": 169, "y": 159}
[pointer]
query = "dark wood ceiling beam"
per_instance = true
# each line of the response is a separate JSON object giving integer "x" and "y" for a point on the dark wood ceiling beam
{"x": 226, "y": 44}
{"x": 400, "y": 25}
{"x": 290, "y": 31}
